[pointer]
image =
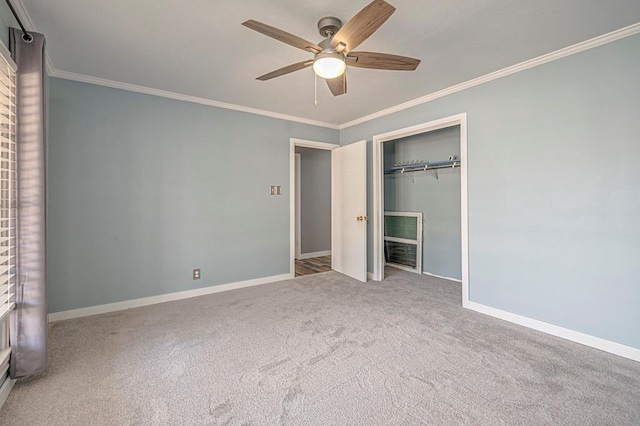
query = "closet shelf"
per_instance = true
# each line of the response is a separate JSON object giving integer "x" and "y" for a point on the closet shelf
{"x": 434, "y": 165}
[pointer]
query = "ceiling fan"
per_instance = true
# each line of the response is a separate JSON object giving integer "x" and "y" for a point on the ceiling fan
{"x": 335, "y": 52}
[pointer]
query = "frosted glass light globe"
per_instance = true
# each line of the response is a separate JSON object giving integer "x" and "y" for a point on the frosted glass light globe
{"x": 329, "y": 65}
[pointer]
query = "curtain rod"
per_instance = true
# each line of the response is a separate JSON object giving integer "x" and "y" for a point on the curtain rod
{"x": 26, "y": 36}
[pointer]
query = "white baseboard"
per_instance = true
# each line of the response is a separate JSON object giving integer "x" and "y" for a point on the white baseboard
{"x": 565, "y": 333}
{"x": 314, "y": 254}
{"x": 136, "y": 303}
{"x": 440, "y": 276}
{"x": 370, "y": 276}
{"x": 6, "y": 389}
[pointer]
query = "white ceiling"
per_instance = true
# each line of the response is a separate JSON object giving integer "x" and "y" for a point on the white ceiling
{"x": 198, "y": 47}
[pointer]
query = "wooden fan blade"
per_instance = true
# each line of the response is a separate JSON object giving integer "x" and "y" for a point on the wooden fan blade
{"x": 286, "y": 70}
{"x": 361, "y": 26}
{"x": 382, "y": 61}
{"x": 338, "y": 85}
{"x": 282, "y": 36}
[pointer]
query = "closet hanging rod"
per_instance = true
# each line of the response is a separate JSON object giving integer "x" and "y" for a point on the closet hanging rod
{"x": 423, "y": 167}
{"x": 26, "y": 36}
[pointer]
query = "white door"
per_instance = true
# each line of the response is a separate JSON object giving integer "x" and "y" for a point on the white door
{"x": 349, "y": 210}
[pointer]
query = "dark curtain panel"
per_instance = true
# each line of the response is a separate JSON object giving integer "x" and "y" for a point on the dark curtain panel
{"x": 29, "y": 320}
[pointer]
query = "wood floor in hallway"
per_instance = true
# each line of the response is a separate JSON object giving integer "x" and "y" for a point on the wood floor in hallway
{"x": 314, "y": 265}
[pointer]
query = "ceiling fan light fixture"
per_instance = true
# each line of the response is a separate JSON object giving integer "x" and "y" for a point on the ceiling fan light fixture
{"x": 331, "y": 54}
{"x": 329, "y": 65}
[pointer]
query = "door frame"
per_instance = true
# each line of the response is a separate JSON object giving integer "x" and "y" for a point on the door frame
{"x": 293, "y": 199}
{"x": 297, "y": 194}
{"x": 378, "y": 192}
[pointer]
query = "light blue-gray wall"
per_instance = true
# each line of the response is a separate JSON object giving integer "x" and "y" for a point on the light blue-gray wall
{"x": 437, "y": 199}
{"x": 554, "y": 188}
{"x": 143, "y": 189}
{"x": 315, "y": 199}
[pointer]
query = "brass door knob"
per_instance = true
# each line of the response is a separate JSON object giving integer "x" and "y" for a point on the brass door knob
{"x": 361, "y": 218}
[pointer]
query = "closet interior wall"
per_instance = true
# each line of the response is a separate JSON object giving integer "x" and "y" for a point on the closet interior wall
{"x": 434, "y": 193}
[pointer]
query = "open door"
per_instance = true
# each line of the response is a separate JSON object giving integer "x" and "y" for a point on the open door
{"x": 349, "y": 210}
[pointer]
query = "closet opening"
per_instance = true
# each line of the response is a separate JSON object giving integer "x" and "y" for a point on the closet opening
{"x": 422, "y": 203}
{"x": 420, "y": 200}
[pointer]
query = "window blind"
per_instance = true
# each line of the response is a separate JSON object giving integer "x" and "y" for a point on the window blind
{"x": 8, "y": 189}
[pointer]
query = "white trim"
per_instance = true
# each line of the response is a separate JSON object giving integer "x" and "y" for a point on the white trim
{"x": 549, "y": 57}
{"x": 464, "y": 208}
{"x": 403, "y": 267}
{"x": 293, "y": 142}
{"x": 543, "y": 59}
{"x": 7, "y": 306}
{"x": 440, "y": 276}
{"x": 404, "y": 241}
{"x": 7, "y": 56}
{"x": 314, "y": 254}
{"x": 378, "y": 210}
{"x": 378, "y": 195}
{"x": 565, "y": 333}
{"x": 21, "y": 10}
{"x": 4, "y": 355}
{"x": 66, "y": 75}
{"x": 6, "y": 389}
{"x": 370, "y": 276}
{"x": 417, "y": 242}
{"x": 10, "y": 307}
{"x": 186, "y": 98}
{"x": 298, "y": 206}
{"x": 169, "y": 297}
{"x": 313, "y": 144}
{"x": 403, "y": 214}
{"x": 24, "y": 15}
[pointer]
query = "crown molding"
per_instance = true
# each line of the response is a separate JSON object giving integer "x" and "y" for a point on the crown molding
{"x": 24, "y": 15}
{"x": 187, "y": 98}
{"x": 549, "y": 57}
{"x": 53, "y": 72}
{"x": 29, "y": 25}
{"x": 543, "y": 59}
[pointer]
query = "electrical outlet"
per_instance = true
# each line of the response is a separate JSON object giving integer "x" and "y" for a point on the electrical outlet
{"x": 196, "y": 274}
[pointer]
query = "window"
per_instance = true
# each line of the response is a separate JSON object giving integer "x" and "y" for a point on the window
{"x": 8, "y": 197}
{"x": 403, "y": 240}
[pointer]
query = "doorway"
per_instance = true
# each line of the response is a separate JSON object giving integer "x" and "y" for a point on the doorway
{"x": 422, "y": 203}
{"x": 380, "y": 147}
{"x": 348, "y": 206}
{"x": 313, "y": 210}
{"x": 310, "y": 207}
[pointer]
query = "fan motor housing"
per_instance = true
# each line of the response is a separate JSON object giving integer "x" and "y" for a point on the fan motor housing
{"x": 329, "y": 26}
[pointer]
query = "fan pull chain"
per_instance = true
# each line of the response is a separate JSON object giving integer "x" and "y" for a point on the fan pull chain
{"x": 315, "y": 89}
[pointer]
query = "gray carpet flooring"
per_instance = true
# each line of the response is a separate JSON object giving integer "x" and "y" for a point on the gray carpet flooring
{"x": 321, "y": 350}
